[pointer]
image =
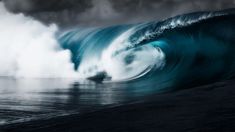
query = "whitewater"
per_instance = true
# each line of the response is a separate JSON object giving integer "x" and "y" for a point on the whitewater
{"x": 30, "y": 49}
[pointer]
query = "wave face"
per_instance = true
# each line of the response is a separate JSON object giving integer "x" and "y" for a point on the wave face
{"x": 186, "y": 50}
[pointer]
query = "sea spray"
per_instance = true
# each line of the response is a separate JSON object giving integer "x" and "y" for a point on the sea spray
{"x": 30, "y": 49}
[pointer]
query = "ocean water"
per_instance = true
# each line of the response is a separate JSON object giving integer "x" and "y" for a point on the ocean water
{"x": 32, "y": 99}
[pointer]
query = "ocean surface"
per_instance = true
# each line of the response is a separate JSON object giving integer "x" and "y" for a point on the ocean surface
{"x": 24, "y": 100}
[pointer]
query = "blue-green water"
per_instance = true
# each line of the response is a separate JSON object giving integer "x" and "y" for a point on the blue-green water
{"x": 186, "y": 50}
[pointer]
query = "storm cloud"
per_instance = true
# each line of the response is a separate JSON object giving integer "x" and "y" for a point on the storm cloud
{"x": 108, "y": 12}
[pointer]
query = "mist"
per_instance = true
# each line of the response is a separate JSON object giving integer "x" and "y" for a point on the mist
{"x": 30, "y": 49}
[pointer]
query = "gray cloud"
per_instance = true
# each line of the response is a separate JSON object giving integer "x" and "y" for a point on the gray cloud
{"x": 109, "y": 12}
{"x": 35, "y": 6}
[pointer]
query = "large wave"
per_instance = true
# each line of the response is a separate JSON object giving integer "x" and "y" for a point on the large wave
{"x": 185, "y": 50}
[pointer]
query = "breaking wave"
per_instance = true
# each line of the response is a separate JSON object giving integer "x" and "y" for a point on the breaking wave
{"x": 184, "y": 50}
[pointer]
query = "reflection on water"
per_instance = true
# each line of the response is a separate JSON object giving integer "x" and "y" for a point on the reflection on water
{"x": 28, "y": 99}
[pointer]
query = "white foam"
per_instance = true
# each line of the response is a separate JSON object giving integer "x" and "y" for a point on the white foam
{"x": 146, "y": 57}
{"x": 29, "y": 49}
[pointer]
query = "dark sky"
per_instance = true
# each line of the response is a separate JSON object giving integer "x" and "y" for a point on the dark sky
{"x": 109, "y": 12}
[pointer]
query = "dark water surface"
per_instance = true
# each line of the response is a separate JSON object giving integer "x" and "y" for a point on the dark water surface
{"x": 32, "y": 99}
{"x": 61, "y": 106}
